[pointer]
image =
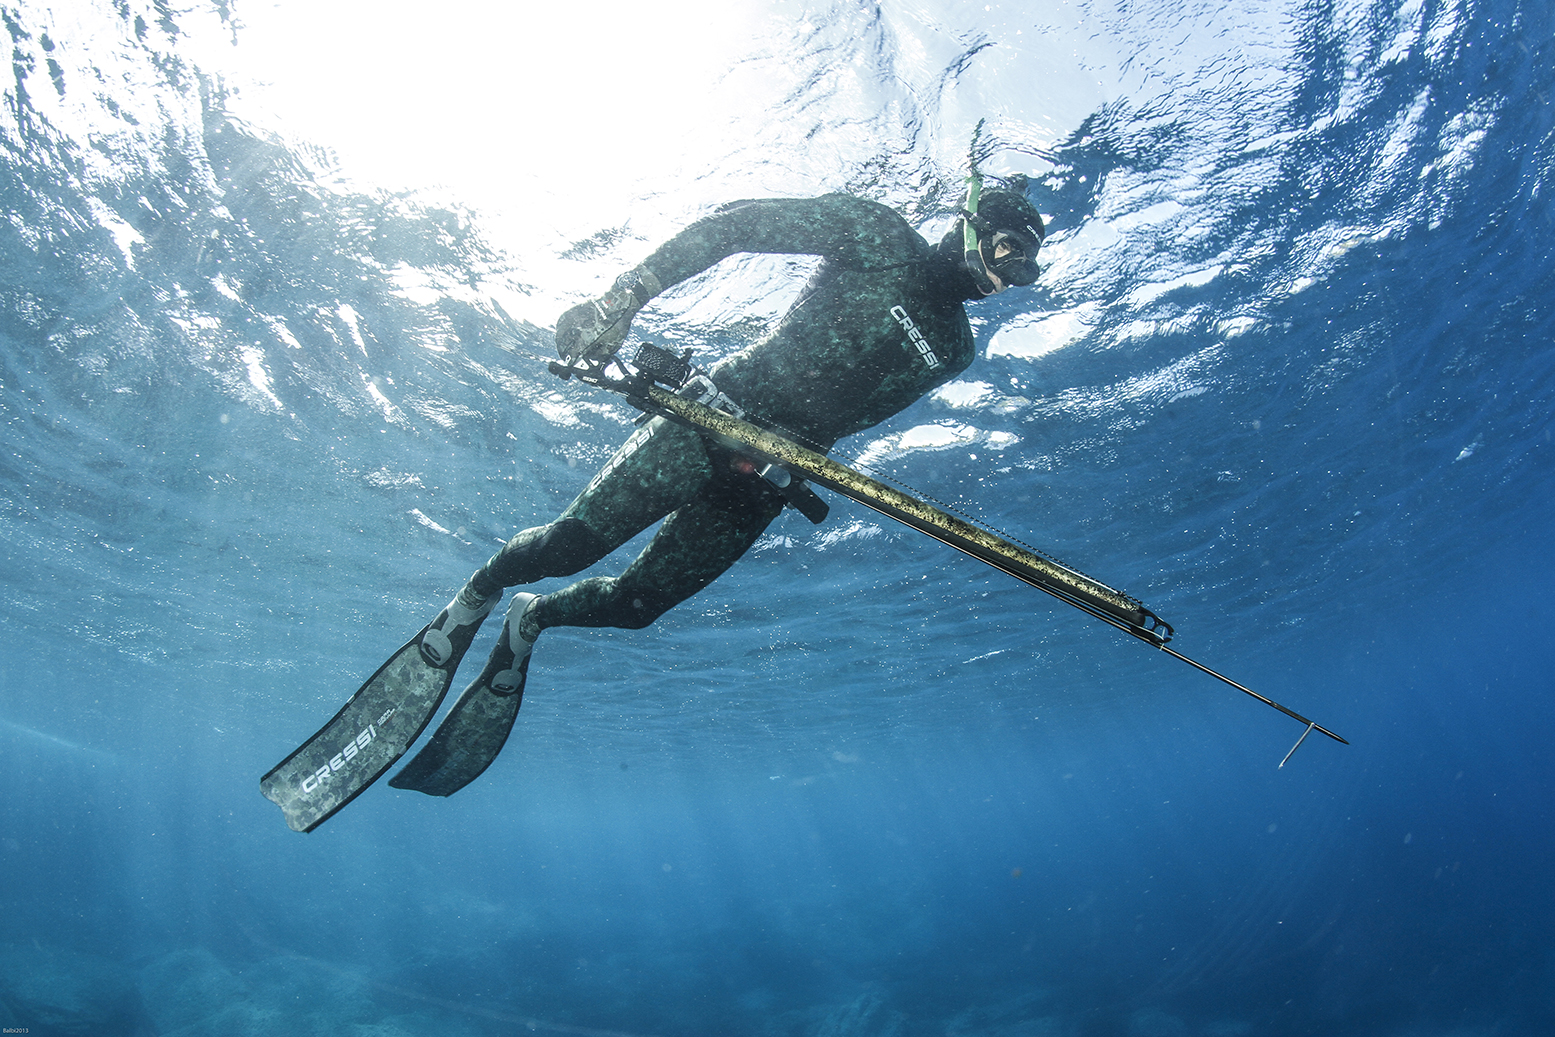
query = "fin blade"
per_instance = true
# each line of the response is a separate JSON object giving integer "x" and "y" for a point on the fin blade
{"x": 362, "y": 741}
{"x": 466, "y": 742}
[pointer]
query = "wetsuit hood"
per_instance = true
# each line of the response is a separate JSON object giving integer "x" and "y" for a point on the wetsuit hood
{"x": 999, "y": 215}
{"x": 947, "y": 276}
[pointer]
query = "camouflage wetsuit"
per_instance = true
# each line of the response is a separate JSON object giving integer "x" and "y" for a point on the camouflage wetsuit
{"x": 879, "y": 325}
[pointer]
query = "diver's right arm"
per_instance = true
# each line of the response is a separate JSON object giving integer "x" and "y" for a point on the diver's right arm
{"x": 594, "y": 330}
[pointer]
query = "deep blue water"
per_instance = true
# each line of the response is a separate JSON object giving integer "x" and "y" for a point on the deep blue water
{"x": 1289, "y": 379}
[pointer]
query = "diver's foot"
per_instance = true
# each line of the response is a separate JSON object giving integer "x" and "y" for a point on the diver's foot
{"x": 454, "y": 628}
{"x": 509, "y": 661}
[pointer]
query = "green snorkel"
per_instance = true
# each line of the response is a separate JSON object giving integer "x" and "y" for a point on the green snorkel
{"x": 971, "y": 238}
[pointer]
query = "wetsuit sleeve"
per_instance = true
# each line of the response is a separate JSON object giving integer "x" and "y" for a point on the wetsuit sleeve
{"x": 853, "y": 232}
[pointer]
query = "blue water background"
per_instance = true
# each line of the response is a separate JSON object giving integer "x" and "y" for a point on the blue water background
{"x": 1289, "y": 379}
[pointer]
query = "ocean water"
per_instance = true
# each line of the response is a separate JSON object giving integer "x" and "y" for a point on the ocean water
{"x": 1289, "y": 378}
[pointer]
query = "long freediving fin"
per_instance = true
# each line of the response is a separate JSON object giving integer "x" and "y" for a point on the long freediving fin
{"x": 468, "y": 739}
{"x": 376, "y": 725}
{"x": 476, "y": 729}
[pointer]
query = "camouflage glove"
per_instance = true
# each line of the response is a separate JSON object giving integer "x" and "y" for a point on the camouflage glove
{"x": 595, "y": 329}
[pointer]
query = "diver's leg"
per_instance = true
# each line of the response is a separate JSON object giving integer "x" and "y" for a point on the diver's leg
{"x": 659, "y": 468}
{"x": 695, "y": 546}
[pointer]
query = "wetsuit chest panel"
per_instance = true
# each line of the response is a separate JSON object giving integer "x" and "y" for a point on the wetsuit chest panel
{"x": 858, "y": 347}
{"x": 867, "y": 337}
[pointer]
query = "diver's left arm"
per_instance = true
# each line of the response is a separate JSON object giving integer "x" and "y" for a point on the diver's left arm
{"x": 854, "y": 232}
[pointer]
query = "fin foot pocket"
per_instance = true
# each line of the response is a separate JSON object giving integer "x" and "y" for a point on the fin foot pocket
{"x": 506, "y": 683}
{"x": 449, "y": 636}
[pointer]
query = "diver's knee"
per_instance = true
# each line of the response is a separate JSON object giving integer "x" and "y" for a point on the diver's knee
{"x": 561, "y": 548}
{"x": 568, "y": 546}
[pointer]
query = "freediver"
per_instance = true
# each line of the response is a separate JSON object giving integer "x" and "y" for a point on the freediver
{"x": 880, "y": 324}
